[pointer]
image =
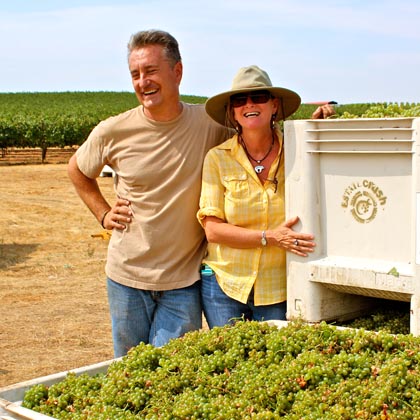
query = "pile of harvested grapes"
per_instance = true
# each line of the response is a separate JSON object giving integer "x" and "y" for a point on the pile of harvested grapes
{"x": 394, "y": 320}
{"x": 250, "y": 371}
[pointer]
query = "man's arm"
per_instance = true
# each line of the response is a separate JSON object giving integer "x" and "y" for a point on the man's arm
{"x": 90, "y": 193}
{"x": 88, "y": 190}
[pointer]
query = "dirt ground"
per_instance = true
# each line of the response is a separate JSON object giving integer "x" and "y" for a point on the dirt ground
{"x": 54, "y": 313}
{"x": 53, "y": 305}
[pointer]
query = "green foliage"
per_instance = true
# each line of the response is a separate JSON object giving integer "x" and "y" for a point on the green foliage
{"x": 191, "y": 99}
{"x": 249, "y": 371}
{"x": 59, "y": 119}
{"x": 370, "y": 110}
{"x": 56, "y": 119}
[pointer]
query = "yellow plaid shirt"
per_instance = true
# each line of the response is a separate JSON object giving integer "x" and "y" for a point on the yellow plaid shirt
{"x": 232, "y": 192}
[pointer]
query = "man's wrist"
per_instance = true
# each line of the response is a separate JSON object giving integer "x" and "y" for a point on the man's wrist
{"x": 103, "y": 217}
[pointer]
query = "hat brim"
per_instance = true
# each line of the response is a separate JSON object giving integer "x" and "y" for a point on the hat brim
{"x": 216, "y": 106}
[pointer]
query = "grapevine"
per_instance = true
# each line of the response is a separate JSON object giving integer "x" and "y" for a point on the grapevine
{"x": 59, "y": 119}
{"x": 250, "y": 370}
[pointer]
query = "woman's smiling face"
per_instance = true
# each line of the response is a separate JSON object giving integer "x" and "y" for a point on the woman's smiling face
{"x": 253, "y": 115}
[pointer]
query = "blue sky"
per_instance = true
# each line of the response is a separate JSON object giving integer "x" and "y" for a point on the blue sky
{"x": 348, "y": 51}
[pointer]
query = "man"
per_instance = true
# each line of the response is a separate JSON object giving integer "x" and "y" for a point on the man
{"x": 157, "y": 244}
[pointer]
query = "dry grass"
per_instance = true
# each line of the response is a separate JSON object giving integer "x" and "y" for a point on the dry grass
{"x": 54, "y": 312}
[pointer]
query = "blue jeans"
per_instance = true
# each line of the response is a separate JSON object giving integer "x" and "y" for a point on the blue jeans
{"x": 220, "y": 309}
{"x": 151, "y": 316}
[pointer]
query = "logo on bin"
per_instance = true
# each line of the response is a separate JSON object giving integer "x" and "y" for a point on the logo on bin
{"x": 363, "y": 198}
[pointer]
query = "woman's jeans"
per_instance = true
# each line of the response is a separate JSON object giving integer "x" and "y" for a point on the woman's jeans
{"x": 151, "y": 316}
{"x": 220, "y": 309}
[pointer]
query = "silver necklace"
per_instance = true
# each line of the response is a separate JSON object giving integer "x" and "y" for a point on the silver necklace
{"x": 258, "y": 168}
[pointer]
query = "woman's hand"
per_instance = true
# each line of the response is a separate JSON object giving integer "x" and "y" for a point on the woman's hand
{"x": 285, "y": 237}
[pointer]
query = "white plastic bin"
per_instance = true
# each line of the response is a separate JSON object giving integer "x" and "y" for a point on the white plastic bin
{"x": 355, "y": 185}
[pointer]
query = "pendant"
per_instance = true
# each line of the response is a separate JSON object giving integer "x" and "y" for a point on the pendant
{"x": 259, "y": 168}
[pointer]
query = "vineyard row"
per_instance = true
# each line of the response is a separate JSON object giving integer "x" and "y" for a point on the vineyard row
{"x": 64, "y": 119}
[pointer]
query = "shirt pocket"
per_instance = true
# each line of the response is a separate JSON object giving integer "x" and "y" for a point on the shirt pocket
{"x": 236, "y": 187}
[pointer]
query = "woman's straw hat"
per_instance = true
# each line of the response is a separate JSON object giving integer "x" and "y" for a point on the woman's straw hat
{"x": 250, "y": 79}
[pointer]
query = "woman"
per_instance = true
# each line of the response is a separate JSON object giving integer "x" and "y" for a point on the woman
{"x": 242, "y": 204}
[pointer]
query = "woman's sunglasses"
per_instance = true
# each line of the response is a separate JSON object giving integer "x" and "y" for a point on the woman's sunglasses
{"x": 257, "y": 97}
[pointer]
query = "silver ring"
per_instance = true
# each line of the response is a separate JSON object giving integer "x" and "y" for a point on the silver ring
{"x": 296, "y": 242}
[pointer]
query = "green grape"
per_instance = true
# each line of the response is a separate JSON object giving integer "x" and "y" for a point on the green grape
{"x": 250, "y": 370}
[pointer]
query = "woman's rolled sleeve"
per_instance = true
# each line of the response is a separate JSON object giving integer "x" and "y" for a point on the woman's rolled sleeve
{"x": 212, "y": 190}
{"x": 209, "y": 211}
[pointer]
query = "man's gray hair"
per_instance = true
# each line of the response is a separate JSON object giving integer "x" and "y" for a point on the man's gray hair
{"x": 156, "y": 37}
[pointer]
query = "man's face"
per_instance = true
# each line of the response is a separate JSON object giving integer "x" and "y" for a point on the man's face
{"x": 155, "y": 81}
